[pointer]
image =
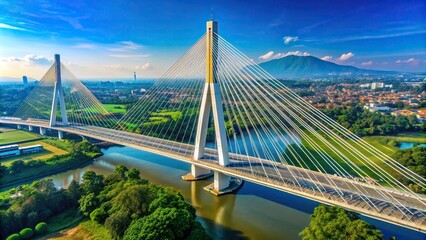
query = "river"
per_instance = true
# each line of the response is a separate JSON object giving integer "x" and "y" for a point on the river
{"x": 406, "y": 145}
{"x": 255, "y": 212}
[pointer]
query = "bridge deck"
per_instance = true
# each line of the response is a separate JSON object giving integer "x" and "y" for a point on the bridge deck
{"x": 286, "y": 178}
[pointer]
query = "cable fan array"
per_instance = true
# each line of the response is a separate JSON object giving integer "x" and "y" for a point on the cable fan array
{"x": 272, "y": 133}
{"x": 82, "y": 107}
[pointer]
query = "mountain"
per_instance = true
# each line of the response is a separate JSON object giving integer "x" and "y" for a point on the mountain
{"x": 296, "y": 66}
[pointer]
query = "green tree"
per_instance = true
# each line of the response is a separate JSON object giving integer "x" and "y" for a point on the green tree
{"x": 17, "y": 166}
{"x": 335, "y": 223}
{"x": 74, "y": 193}
{"x": 26, "y": 233}
{"x": 88, "y": 203}
{"x": 14, "y": 236}
{"x": 98, "y": 215}
{"x": 117, "y": 223}
{"x": 41, "y": 228}
{"x": 92, "y": 183}
{"x": 164, "y": 223}
{"x": 135, "y": 199}
{"x": 171, "y": 198}
{"x": 133, "y": 174}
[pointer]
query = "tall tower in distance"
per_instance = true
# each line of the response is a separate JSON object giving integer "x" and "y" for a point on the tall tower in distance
{"x": 134, "y": 76}
{"x": 25, "y": 81}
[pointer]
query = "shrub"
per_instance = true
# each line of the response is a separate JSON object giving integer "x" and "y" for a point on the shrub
{"x": 98, "y": 215}
{"x": 26, "y": 233}
{"x": 14, "y": 236}
{"x": 41, "y": 228}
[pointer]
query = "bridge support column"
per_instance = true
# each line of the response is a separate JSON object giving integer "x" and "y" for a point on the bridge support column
{"x": 42, "y": 131}
{"x": 211, "y": 103}
{"x": 18, "y": 126}
{"x": 197, "y": 173}
{"x": 58, "y": 95}
{"x": 60, "y": 135}
{"x": 30, "y": 128}
{"x": 221, "y": 181}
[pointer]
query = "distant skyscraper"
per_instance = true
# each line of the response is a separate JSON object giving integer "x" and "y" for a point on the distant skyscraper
{"x": 25, "y": 80}
{"x": 134, "y": 76}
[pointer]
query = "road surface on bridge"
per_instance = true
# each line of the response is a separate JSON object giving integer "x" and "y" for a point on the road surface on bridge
{"x": 291, "y": 179}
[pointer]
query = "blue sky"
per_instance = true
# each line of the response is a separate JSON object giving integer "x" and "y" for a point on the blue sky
{"x": 114, "y": 38}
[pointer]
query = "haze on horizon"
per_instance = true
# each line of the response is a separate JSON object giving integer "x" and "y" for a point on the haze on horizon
{"x": 115, "y": 38}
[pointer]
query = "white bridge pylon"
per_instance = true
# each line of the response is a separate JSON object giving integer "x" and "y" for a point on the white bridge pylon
{"x": 58, "y": 95}
{"x": 211, "y": 102}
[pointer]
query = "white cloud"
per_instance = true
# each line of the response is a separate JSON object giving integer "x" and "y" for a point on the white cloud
{"x": 7, "y": 26}
{"x": 271, "y": 55}
{"x": 289, "y": 39}
{"x": 296, "y": 53}
{"x": 117, "y": 66}
{"x": 409, "y": 61}
{"x": 346, "y": 56}
{"x": 390, "y": 35}
{"x": 124, "y": 46}
{"x": 267, "y": 56}
{"x": 368, "y": 63}
{"x": 130, "y": 55}
{"x": 326, "y": 58}
{"x": 31, "y": 59}
{"x": 145, "y": 66}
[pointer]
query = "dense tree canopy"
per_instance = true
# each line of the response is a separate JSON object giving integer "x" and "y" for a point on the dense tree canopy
{"x": 363, "y": 122}
{"x": 119, "y": 201}
{"x": 334, "y": 223}
{"x": 415, "y": 160}
{"x": 32, "y": 204}
{"x": 126, "y": 204}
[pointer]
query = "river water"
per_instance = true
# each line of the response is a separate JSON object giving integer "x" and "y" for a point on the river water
{"x": 255, "y": 212}
{"x": 406, "y": 145}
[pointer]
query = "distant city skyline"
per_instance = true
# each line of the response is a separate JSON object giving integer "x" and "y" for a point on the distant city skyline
{"x": 111, "y": 39}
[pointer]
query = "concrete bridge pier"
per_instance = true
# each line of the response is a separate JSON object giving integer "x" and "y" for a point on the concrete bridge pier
{"x": 197, "y": 173}
{"x": 18, "y": 126}
{"x": 221, "y": 181}
{"x": 42, "y": 131}
{"x": 223, "y": 184}
{"x": 30, "y": 128}
{"x": 60, "y": 135}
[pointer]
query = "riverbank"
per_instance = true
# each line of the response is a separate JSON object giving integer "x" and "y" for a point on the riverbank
{"x": 20, "y": 172}
{"x": 12, "y": 181}
{"x": 254, "y": 212}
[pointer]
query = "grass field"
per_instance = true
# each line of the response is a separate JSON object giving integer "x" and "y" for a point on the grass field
{"x": 85, "y": 230}
{"x": 416, "y": 137}
{"x": 13, "y": 136}
{"x": 116, "y": 108}
{"x": 65, "y": 220}
{"x": 49, "y": 151}
{"x": 379, "y": 142}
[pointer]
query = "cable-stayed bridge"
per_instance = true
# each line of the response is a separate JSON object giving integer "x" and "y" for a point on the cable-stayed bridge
{"x": 219, "y": 111}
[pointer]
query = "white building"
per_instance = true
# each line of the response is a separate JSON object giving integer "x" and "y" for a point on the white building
{"x": 374, "y": 107}
{"x": 9, "y": 151}
{"x": 14, "y": 150}
{"x": 31, "y": 149}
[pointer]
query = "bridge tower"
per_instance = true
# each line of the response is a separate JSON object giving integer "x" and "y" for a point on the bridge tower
{"x": 211, "y": 102}
{"x": 58, "y": 95}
